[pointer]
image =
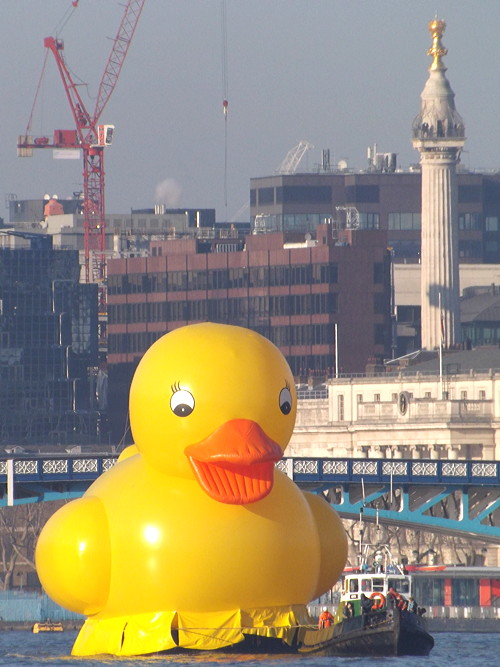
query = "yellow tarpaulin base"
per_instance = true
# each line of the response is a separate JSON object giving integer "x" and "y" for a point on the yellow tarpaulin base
{"x": 149, "y": 633}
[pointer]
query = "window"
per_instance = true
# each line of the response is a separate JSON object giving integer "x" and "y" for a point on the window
{"x": 366, "y": 585}
{"x": 376, "y": 398}
{"x": 303, "y": 193}
{"x": 405, "y": 221}
{"x": 400, "y": 585}
{"x": 463, "y": 395}
{"x": 427, "y": 394}
{"x": 492, "y": 224}
{"x": 394, "y": 398}
{"x": 482, "y": 395}
{"x": 466, "y": 592}
{"x": 429, "y": 591}
{"x": 469, "y": 221}
{"x": 300, "y": 222}
{"x": 359, "y": 398}
{"x": 362, "y": 194}
{"x": 353, "y": 585}
{"x": 470, "y": 248}
{"x": 341, "y": 407}
{"x": 368, "y": 221}
{"x": 266, "y": 195}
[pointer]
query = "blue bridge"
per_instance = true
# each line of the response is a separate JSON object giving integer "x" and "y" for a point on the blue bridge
{"x": 453, "y": 497}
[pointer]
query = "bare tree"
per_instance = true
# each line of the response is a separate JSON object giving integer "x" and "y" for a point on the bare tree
{"x": 20, "y": 527}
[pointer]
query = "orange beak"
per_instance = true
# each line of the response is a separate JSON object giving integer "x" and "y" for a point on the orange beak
{"x": 235, "y": 464}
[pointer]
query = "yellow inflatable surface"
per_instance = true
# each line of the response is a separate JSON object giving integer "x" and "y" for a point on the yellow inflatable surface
{"x": 195, "y": 539}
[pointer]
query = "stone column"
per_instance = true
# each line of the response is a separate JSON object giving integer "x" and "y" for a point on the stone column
{"x": 440, "y": 291}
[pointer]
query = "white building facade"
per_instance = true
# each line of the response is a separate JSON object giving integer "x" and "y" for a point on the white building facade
{"x": 399, "y": 415}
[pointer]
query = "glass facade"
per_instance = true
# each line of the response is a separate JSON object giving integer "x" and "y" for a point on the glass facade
{"x": 48, "y": 341}
{"x": 405, "y": 221}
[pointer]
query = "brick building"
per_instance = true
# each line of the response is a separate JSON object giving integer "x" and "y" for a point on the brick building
{"x": 295, "y": 292}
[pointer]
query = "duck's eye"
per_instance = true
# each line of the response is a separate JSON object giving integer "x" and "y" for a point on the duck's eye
{"x": 182, "y": 403}
{"x": 285, "y": 401}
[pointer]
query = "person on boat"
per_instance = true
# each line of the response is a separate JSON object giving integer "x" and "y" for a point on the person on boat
{"x": 348, "y": 610}
{"x": 325, "y": 619}
{"x": 412, "y": 605}
{"x": 366, "y": 604}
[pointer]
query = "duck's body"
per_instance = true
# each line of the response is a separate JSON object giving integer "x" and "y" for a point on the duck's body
{"x": 153, "y": 547}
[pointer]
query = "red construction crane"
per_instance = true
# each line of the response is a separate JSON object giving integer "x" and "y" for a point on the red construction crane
{"x": 91, "y": 138}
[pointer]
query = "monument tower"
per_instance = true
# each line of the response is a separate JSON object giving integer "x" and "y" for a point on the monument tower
{"x": 439, "y": 136}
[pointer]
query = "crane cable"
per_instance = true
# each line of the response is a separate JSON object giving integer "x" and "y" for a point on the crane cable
{"x": 65, "y": 18}
{"x": 37, "y": 92}
{"x": 225, "y": 103}
{"x": 57, "y": 31}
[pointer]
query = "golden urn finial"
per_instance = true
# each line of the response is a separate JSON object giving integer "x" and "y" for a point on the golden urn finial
{"x": 437, "y": 50}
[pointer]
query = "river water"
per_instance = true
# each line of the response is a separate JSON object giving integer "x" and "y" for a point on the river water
{"x": 53, "y": 650}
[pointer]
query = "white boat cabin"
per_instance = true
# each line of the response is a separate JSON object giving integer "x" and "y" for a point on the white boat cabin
{"x": 374, "y": 580}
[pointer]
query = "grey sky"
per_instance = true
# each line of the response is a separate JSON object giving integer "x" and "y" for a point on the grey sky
{"x": 342, "y": 74}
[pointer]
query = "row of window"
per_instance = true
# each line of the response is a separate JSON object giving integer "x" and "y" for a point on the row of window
{"x": 288, "y": 194}
{"x": 395, "y": 399}
{"x": 481, "y": 333}
{"x": 404, "y": 221}
{"x": 282, "y": 336}
{"x": 395, "y": 221}
{"x": 301, "y": 365}
{"x": 466, "y": 249}
{"x": 355, "y": 194}
{"x": 230, "y": 310}
{"x": 257, "y": 276}
{"x": 432, "y": 591}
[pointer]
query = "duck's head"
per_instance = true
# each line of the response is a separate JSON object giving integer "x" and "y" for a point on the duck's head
{"x": 216, "y": 402}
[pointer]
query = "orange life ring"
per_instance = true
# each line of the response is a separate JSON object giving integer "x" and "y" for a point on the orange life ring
{"x": 379, "y": 600}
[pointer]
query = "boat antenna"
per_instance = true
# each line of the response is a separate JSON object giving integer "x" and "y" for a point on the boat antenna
{"x": 361, "y": 532}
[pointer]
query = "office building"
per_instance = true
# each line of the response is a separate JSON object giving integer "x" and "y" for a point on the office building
{"x": 48, "y": 349}
{"x": 324, "y": 301}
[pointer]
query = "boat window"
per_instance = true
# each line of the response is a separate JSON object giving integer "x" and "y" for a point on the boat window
{"x": 366, "y": 585}
{"x": 353, "y": 585}
{"x": 378, "y": 584}
{"x": 400, "y": 585}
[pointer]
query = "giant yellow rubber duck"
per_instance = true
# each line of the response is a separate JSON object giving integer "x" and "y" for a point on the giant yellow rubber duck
{"x": 195, "y": 539}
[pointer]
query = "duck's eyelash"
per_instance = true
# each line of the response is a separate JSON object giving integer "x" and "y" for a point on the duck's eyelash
{"x": 175, "y": 387}
{"x": 287, "y": 385}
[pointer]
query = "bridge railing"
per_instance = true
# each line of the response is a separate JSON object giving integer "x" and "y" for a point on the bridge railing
{"x": 53, "y": 468}
{"x": 413, "y": 471}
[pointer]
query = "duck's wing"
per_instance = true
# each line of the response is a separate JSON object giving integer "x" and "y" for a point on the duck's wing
{"x": 129, "y": 451}
{"x": 333, "y": 542}
{"x": 73, "y": 556}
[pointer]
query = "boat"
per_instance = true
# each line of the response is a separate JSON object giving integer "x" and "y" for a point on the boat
{"x": 381, "y": 623}
{"x": 379, "y": 591}
{"x": 47, "y": 627}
